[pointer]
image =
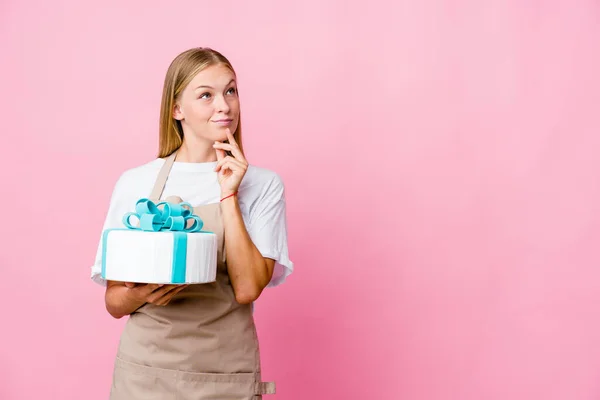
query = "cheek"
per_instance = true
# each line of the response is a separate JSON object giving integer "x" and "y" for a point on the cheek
{"x": 235, "y": 105}
{"x": 199, "y": 111}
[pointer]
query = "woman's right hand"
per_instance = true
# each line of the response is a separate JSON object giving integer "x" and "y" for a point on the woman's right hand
{"x": 159, "y": 295}
{"x": 124, "y": 298}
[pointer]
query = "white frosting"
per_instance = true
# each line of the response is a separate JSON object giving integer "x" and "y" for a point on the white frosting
{"x": 147, "y": 257}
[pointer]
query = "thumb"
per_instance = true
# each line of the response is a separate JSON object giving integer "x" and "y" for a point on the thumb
{"x": 220, "y": 154}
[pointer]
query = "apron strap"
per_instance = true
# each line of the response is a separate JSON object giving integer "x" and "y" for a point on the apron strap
{"x": 161, "y": 179}
{"x": 264, "y": 388}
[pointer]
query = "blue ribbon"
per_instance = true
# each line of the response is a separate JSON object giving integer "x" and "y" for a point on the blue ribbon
{"x": 173, "y": 217}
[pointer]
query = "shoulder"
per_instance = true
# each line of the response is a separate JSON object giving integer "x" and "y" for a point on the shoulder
{"x": 262, "y": 183}
{"x": 135, "y": 181}
{"x": 139, "y": 175}
{"x": 145, "y": 171}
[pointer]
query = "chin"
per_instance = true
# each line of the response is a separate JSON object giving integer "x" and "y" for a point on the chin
{"x": 218, "y": 133}
{"x": 221, "y": 135}
{"x": 221, "y": 132}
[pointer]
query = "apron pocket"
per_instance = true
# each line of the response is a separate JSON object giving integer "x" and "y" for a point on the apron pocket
{"x": 239, "y": 386}
{"x": 133, "y": 381}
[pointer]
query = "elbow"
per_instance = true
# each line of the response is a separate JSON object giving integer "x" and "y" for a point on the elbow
{"x": 117, "y": 316}
{"x": 250, "y": 290}
{"x": 111, "y": 307}
{"x": 113, "y": 312}
{"x": 246, "y": 297}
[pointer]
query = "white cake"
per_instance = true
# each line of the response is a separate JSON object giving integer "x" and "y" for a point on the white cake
{"x": 159, "y": 257}
{"x": 167, "y": 245}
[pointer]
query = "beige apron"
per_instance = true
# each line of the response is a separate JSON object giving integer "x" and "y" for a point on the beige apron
{"x": 202, "y": 345}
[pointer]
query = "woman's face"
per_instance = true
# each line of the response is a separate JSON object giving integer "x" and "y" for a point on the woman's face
{"x": 209, "y": 105}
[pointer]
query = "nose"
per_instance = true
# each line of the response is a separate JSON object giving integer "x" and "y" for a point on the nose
{"x": 221, "y": 104}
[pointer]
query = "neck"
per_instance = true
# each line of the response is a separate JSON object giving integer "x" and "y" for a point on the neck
{"x": 196, "y": 150}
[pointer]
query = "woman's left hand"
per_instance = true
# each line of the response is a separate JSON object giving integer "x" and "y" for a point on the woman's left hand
{"x": 230, "y": 170}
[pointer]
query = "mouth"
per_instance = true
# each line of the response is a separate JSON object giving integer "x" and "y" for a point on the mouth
{"x": 223, "y": 121}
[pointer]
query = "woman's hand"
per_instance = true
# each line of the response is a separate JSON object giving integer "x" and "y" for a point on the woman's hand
{"x": 159, "y": 295}
{"x": 124, "y": 298}
{"x": 230, "y": 169}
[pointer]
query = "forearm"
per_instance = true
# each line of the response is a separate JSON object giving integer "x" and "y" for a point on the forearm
{"x": 119, "y": 300}
{"x": 248, "y": 270}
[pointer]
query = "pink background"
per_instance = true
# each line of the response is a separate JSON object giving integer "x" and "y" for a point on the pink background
{"x": 442, "y": 172}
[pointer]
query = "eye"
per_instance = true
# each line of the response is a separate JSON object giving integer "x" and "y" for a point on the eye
{"x": 231, "y": 91}
{"x": 204, "y": 96}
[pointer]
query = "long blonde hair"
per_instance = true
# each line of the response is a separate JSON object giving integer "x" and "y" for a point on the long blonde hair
{"x": 181, "y": 71}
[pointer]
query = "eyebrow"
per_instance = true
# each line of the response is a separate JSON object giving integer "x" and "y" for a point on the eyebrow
{"x": 210, "y": 87}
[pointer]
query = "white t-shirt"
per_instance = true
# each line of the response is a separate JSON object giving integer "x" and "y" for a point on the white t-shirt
{"x": 261, "y": 196}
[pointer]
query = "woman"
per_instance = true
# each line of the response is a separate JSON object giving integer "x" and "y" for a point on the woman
{"x": 199, "y": 341}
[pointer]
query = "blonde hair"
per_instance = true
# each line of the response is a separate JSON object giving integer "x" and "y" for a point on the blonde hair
{"x": 181, "y": 71}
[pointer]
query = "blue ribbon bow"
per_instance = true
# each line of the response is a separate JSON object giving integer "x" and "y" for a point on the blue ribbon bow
{"x": 173, "y": 217}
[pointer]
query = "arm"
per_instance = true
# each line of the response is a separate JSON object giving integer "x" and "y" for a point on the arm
{"x": 124, "y": 298}
{"x": 119, "y": 301}
{"x": 248, "y": 270}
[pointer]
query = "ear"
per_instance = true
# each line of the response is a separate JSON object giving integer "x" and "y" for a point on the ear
{"x": 177, "y": 113}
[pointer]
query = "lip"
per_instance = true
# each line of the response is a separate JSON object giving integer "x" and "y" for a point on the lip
{"x": 223, "y": 121}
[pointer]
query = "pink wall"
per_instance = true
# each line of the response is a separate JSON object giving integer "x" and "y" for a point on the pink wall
{"x": 441, "y": 161}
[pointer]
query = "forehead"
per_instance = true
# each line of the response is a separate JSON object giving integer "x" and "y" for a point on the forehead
{"x": 215, "y": 76}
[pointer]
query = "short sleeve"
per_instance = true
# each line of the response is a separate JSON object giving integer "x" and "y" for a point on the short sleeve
{"x": 268, "y": 229}
{"x": 117, "y": 207}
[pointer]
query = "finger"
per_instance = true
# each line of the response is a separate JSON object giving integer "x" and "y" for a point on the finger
{"x": 237, "y": 152}
{"x": 222, "y": 162}
{"x": 224, "y": 166}
{"x": 169, "y": 296}
{"x": 157, "y": 294}
{"x": 151, "y": 287}
{"x": 163, "y": 301}
{"x": 231, "y": 139}
{"x": 166, "y": 297}
{"x": 164, "y": 291}
{"x": 172, "y": 293}
{"x": 130, "y": 284}
{"x": 223, "y": 146}
{"x": 220, "y": 154}
{"x": 223, "y": 150}
{"x": 144, "y": 289}
{"x": 169, "y": 289}
{"x": 232, "y": 163}
{"x": 234, "y": 149}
